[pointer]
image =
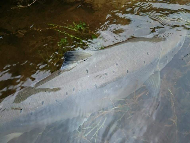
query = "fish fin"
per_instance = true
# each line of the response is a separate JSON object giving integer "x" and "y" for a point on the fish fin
{"x": 9, "y": 137}
{"x": 72, "y": 57}
{"x": 153, "y": 84}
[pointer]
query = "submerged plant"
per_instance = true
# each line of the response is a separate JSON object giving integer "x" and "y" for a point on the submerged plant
{"x": 77, "y": 33}
{"x": 79, "y": 27}
{"x": 67, "y": 37}
{"x": 62, "y": 42}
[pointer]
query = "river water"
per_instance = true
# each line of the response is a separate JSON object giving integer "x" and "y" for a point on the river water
{"x": 34, "y": 39}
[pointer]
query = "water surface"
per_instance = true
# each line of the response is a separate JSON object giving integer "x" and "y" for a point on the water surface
{"x": 33, "y": 41}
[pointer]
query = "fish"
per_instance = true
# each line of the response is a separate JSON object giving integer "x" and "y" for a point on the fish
{"x": 88, "y": 82}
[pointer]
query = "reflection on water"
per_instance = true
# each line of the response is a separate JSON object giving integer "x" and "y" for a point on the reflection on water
{"x": 32, "y": 49}
{"x": 37, "y": 41}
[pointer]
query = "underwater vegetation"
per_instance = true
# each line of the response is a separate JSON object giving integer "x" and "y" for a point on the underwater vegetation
{"x": 79, "y": 33}
{"x": 70, "y": 38}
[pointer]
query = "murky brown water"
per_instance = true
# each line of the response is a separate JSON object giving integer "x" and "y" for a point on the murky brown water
{"x": 33, "y": 41}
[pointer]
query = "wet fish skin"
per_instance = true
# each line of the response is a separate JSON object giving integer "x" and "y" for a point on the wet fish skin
{"x": 112, "y": 73}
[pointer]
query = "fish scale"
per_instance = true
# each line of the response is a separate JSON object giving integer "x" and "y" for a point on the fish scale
{"x": 113, "y": 73}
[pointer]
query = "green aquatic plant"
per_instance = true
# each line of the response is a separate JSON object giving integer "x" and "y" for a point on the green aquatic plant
{"x": 75, "y": 33}
{"x": 79, "y": 27}
{"x": 62, "y": 42}
{"x": 94, "y": 36}
{"x": 67, "y": 37}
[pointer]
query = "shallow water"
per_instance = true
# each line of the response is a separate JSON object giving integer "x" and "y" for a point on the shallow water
{"x": 33, "y": 41}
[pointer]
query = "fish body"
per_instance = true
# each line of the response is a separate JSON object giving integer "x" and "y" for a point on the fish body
{"x": 92, "y": 84}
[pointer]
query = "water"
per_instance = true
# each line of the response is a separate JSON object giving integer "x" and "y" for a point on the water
{"x": 34, "y": 39}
